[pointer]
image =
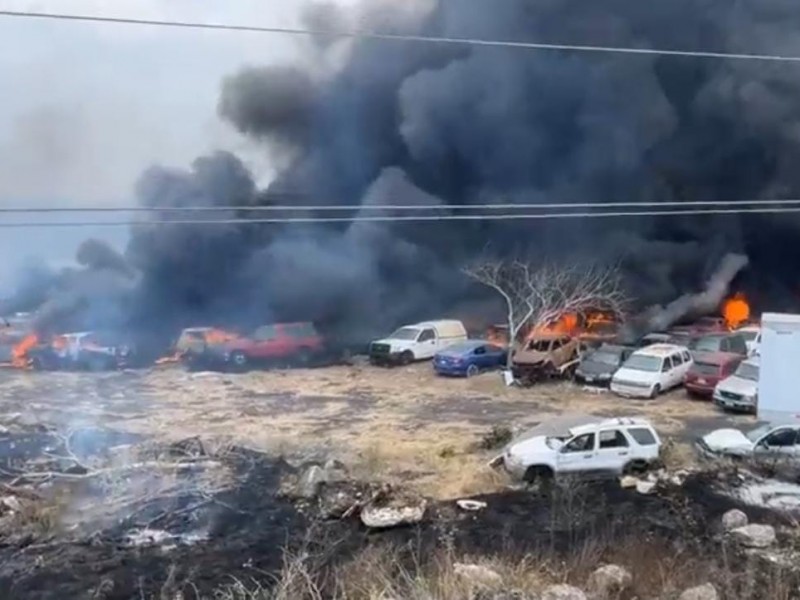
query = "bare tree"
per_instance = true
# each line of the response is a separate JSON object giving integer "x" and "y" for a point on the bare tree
{"x": 540, "y": 294}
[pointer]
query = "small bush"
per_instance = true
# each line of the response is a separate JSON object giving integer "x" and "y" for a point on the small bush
{"x": 496, "y": 438}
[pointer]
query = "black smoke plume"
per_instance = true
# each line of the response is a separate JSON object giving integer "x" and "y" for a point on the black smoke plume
{"x": 437, "y": 125}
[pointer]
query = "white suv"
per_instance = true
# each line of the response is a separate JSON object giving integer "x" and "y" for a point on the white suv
{"x": 652, "y": 370}
{"x": 583, "y": 445}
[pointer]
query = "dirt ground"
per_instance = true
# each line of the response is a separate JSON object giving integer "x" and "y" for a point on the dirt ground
{"x": 405, "y": 424}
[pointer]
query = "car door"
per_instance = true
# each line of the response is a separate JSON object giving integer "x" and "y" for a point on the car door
{"x": 427, "y": 344}
{"x": 780, "y": 443}
{"x": 613, "y": 450}
{"x": 479, "y": 357}
{"x": 665, "y": 377}
{"x": 265, "y": 342}
{"x": 676, "y": 373}
{"x": 495, "y": 355}
{"x": 577, "y": 454}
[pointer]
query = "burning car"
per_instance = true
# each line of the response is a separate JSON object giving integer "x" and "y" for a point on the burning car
{"x": 89, "y": 350}
{"x": 545, "y": 355}
{"x": 280, "y": 342}
{"x": 599, "y": 365}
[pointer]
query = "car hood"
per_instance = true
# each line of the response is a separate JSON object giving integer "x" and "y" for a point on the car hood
{"x": 531, "y": 447}
{"x": 589, "y": 367}
{"x": 738, "y": 385}
{"x": 396, "y": 345}
{"x": 728, "y": 440}
{"x": 634, "y": 375}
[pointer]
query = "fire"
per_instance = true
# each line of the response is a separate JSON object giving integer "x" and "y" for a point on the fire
{"x": 219, "y": 336}
{"x": 19, "y": 355}
{"x": 736, "y": 310}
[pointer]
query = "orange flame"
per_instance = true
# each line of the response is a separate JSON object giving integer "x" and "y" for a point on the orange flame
{"x": 219, "y": 336}
{"x": 19, "y": 354}
{"x": 736, "y": 310}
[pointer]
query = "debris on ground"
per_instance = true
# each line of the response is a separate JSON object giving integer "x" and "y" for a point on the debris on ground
{"x": 733, "y": 519}
{"x": 471, "y": 505}
{"x": 701, "y": 592}
{"x": 609, "y": 581}
{"x": 388, "y": 508}
{"x": 754, "y": 535}
{"x": 477, "y": 575}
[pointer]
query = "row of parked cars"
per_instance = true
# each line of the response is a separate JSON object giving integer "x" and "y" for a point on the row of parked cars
{"x": 581, "y": 444}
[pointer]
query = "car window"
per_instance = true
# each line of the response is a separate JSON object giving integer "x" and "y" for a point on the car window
{"x": 613, "y": 438}
{"x": 642, "y": 435}
{"x": 686, "y": 356}
{"x": 480, "y": 350}
{"x": 300, "y": 330}
{"x": 666, "y": 365}
{"x": 557, "y": 344}
{"x": 427, "y": 335}
{"x": 780, "y": 438}
{"x": 677, "y": 360}
{"x": 265, "y": 333}
{"x": 582, "y": 443}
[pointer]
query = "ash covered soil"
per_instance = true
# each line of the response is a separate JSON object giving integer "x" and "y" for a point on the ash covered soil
{"x": 149, "y": 483}
{"x": 397, "y": 422}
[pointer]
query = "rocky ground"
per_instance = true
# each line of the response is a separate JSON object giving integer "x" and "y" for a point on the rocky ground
{"x": 166, "y": 484}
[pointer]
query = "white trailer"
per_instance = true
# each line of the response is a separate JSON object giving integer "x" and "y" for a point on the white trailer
{"x": 779, "y": 375}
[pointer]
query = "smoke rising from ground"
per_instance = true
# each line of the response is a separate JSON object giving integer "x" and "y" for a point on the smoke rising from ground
{"x": 399, "y": 123}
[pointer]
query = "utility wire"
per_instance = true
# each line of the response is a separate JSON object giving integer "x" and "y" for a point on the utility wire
{"x": 412, "y": 207}
{"x": 371, "y": 35}
{"x": 386, "y": 219}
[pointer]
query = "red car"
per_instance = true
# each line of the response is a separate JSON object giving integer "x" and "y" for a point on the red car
{"x": 701, "y": 326}
{"x": 281, "y": 342}
{"x": 708, "y": 369}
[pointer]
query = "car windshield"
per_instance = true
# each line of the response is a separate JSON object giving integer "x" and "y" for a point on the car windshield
{"x": 705, "y": 344}
{"x": 642, "y": 362}
{"x": 747, "y": 371}
{"x": 705, "y": 368}
{"x": 554, "y": 443}
{"x": 757, "y": 433}
{"x": 749, "y": 336}
{"x": 539, "y": 346}
{"x": 405, "y": 333}
{"x": 604, "y": 357}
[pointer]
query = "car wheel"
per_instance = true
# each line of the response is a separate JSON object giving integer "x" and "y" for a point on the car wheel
{"x": 472, "y": 370}
{"x": 239, "y": 360}
{"x": 655, "y": 391}
{"x": 304, "y": 357}
{"x": 634, "y": 467}
{"x": 407, "y": 357}
{"x": 538, "y": 474}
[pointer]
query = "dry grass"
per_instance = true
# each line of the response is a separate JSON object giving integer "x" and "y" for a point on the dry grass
{"x": 385, "y": 572}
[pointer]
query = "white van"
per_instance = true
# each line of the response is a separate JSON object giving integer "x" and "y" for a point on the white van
{"x": 652, "y": 370}
{"x": 416, "y": 342}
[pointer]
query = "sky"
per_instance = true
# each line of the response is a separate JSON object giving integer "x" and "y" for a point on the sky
{"x": 86, "y": 107}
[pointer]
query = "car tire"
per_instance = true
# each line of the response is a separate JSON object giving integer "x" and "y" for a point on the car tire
{"x": 472, "y": 370}
{"x": 538, "y": 474}
{"x": 634, "y": 467}
{"x": 239, "y": 360}
{"x": 655, "y": 391}
{"x": 406, "y": 358}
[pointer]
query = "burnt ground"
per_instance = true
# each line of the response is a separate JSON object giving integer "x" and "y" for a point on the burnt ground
{"x": 128, "y": 532}
{"x": 397, "y": 423}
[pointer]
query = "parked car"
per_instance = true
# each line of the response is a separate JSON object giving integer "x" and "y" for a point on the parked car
{"x": 197, "y": 339}
{"x": 469, "y": 358}
{"x": 752, "y": 337}
{"x": 91, "y": 350}
{"x": 719, "y": 342}
{"x": 545, "y": 355}
{"x": 707, "y": 370}
{"x": 580, "y": 444}
{"x": 652, "y": 370}
{"x": 416, "y": 342}
{"x": 703, "y": 325}
{"x": 598, "y": 366}
{"x": 677, "y": 338}
{"x": 766, "y": 441}
{"x": 279, "y": 342}
{"x": 739, "y": 391}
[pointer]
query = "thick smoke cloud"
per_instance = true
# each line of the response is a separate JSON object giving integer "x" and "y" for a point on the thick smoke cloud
{"x": 438, "y": 125}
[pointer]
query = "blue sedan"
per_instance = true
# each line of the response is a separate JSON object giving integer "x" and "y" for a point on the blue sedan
{"x": 469, "y": 358}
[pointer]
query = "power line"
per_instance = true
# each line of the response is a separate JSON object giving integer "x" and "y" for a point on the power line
{"x": 426, "y": 207}
{"x": 386, "y": 219}
{"x": 371, "y": 35}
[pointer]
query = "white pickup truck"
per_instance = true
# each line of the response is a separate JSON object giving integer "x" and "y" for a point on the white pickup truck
{"x": 416, "y": 342}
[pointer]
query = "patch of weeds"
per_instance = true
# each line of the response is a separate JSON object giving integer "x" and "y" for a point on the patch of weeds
{"x": 497, "y": 437}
